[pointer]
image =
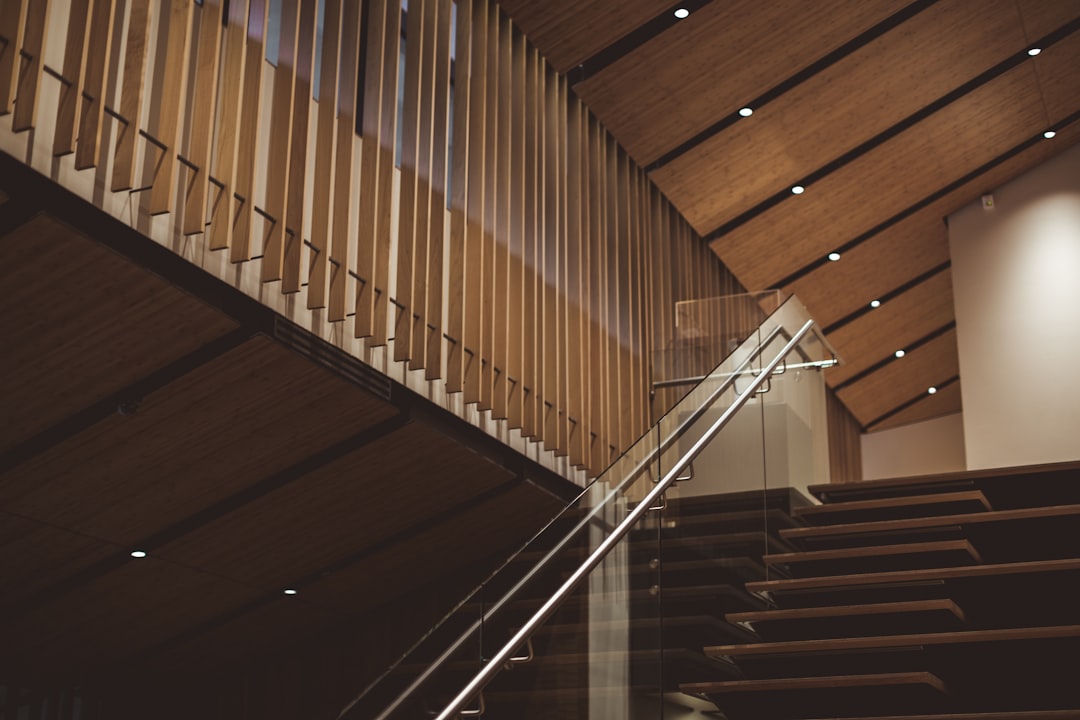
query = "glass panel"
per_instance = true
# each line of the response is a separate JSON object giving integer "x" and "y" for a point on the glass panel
{"x": 607, "y": 650}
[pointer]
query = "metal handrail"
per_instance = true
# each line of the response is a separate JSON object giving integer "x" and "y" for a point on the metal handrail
{"x": 693, "y": 417}
{"x": 495, "y": 663}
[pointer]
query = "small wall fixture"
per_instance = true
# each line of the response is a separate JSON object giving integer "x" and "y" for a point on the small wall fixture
{"x": 682, "y": 13}
{"x": 931, "y": 390}
{"x": 899, "y": 353}
{"x": 798, "y": 190}
{"x": 746, "y": 112}
{"x": 834, "y": 256}
{"x": 1049, "y": 134}
{"x": 875, "y": 303}
{"x": 1034, "y": 51}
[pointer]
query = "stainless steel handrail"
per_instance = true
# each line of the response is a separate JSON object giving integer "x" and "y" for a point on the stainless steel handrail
{"x": 495, "y": 663}
{"x": 729, "y": 379}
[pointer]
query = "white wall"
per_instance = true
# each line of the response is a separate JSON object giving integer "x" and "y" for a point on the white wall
{"x": 923, "y": 448}
{"x": 1016, "y": 281}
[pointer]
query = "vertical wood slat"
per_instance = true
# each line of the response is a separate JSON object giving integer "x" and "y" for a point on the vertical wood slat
{"x": 575, "y": 343}
{"x": 474, "y": 271}
{"x": 204, "y": 105}
{"x": 29, "y": 72}
{"x": 409, "y": 174}
{"x": 341, "y": 248}
{"x": 563, "y": 294}
{"x": 173, "y": 92}
{"x": 530, "y": 269}
{"x": 241, "y": 209}
{"x": 516, "y": 231}
{"x": 67, "y": 112}
{"x": 232, "y": 73}
{"x": 281, "y": 119}
{"x": 98, "y": 52}
{"x": 325, "y": 137}
{"x": 436, "y": 232}
{"x": 426, "y": 215}
{"x": 379, "y": 123}
{"x": 123, "y": 169}
{"x": 487, "y": 228}
{"x": 12, "y": 25}
{"x": 293, "y": 250}
{"x": 500, "y": 353}
{"x": 459, "y": 187}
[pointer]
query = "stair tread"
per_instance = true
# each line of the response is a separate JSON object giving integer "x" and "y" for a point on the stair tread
{"x": 885, "y": 526}
{"x": 809, "y": 683}
{"x": 817, "y": 513}
{"x": 884, "y": 642}
{"x": 912, "y": 576}
{"x": 839, "y": 611}
{"x": 935, "y": 546}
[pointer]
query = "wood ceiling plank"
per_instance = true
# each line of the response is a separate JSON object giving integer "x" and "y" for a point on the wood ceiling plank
{"x": 33, "y": 556}
{"x": 1042, "y": 17}
{"x": 568, "y": 32}
{"x": 120, "y": 614}
{"x": 99, "y": 324}
{"x": 344, "y": 507}
{"x": 496, "y": 526}
{"x": 686, "y": 79}
{"x": 837, "y": 110}
{"x": 903, "y": 379}
{"x": 895, "y": 325}
{"x": 945, "y": 401}
{"x": 1056, "y": 67}
{"x": 887, "y": 180}
{"x": 197, "y": 441}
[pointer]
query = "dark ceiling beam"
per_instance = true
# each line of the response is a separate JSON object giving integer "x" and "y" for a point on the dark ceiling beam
{"x": 124, "y": 401}
{"x": 910, "y": 121}
{"x": 889, "y": 296}
{"x": 905, "y": 405}
{"x": 790, "y": 83}
{"x": 632, "y": 41}
{"x": 925, "y": 202}
{"x": 209, "y": 514}
{"x": 910, "y": 348}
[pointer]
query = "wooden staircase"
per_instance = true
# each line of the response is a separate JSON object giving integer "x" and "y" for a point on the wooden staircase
{"x": 949, "y": 597}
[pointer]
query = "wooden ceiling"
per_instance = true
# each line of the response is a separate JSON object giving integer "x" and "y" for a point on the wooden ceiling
{"x": 892, "y": 115}
{"x": 137, "y": 416}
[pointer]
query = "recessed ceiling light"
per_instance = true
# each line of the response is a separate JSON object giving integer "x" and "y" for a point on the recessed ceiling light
{"x": 875, "y": 303}
{"x": 682, "y": 13}
{"x": 138, "y": 553}
{"x": 1034, "y": 51}
{"x": 746, "y": 111}
{"x": 290, "y": 591}
{"x": 1049, "y": 134}
{"x": 899, "y": 353}
{"x": 834, "y": 256}
{"x": 931, "y": 390}
{"x": 798, "y": 190}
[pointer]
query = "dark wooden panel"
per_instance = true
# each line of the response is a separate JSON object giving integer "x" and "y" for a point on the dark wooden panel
{"x": 684, "y": 80}
{"x": 116, "y": 616}
{"x": 130, "y": 476}
{"x": 99, "y": 324}
{"x": 893, "y": 326}
{"x": 568, "y": 32}
{"x": 440, "y": 551}
{"x": 903, "y": 379}
{"x": 344, "y": 507}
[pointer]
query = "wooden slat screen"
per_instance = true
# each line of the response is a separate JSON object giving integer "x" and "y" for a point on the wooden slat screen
{"x": 508, "y": 249}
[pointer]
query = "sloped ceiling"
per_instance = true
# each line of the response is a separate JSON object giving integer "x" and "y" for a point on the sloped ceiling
{"x": 890, "y": 114}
